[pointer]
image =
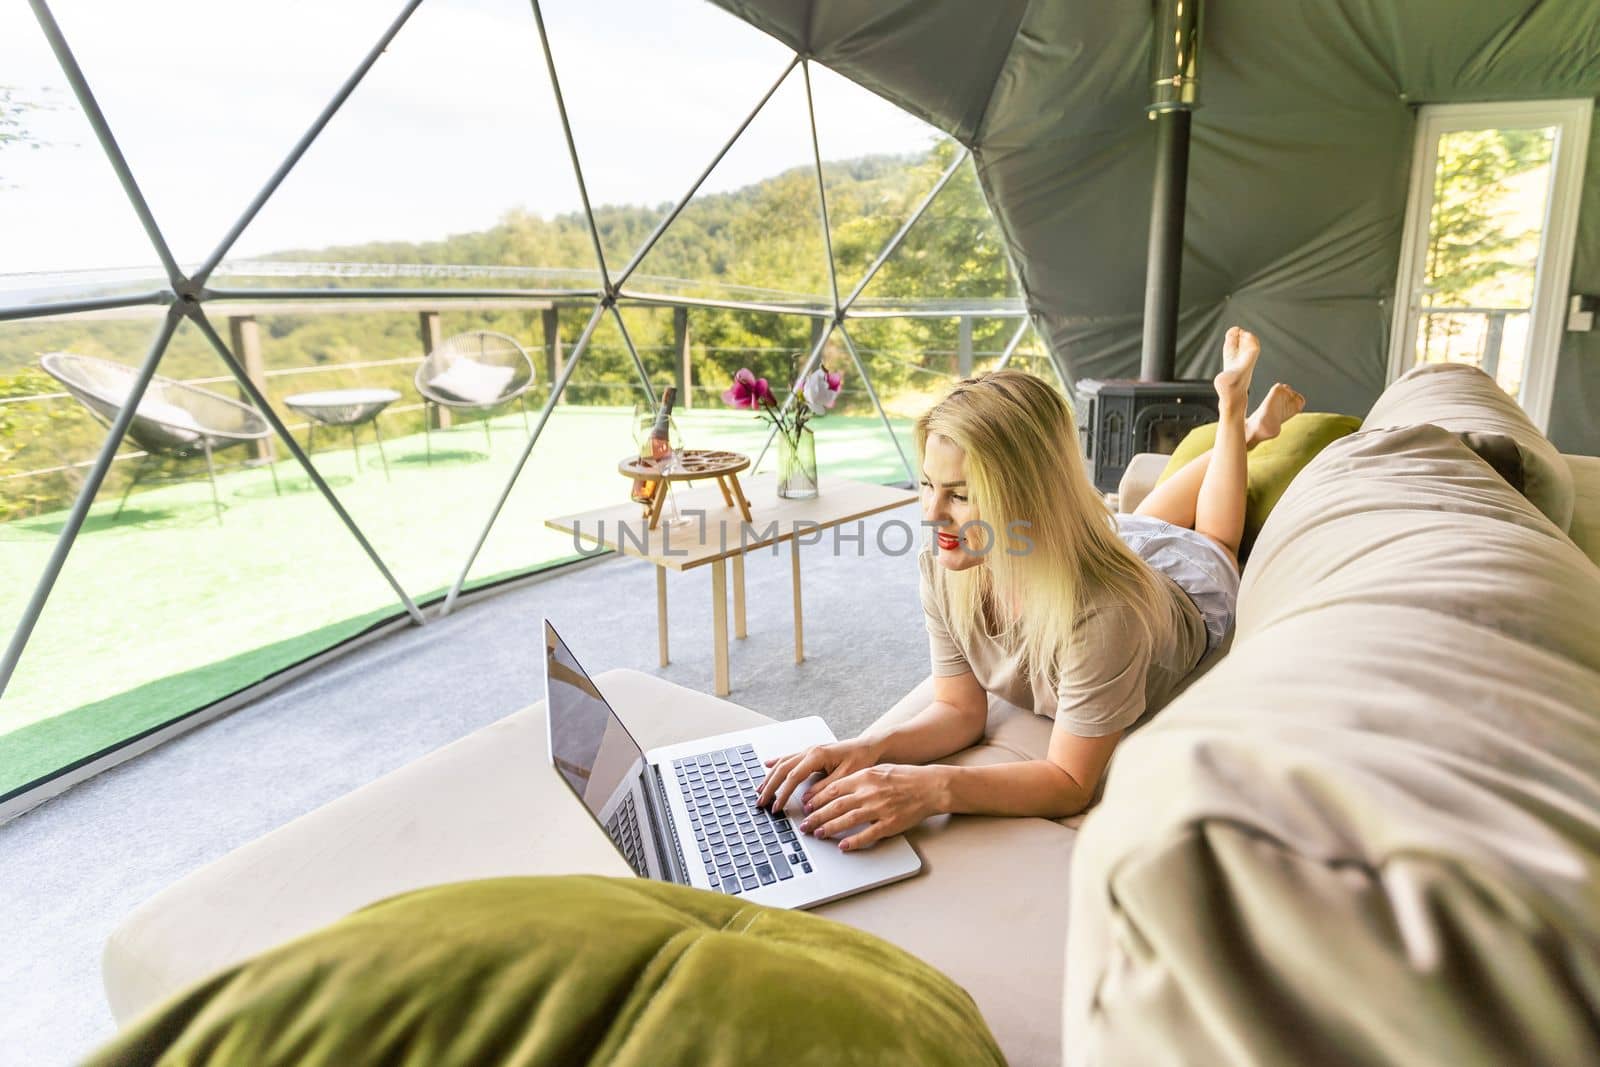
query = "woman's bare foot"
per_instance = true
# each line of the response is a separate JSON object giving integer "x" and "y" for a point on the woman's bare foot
{"x": 1239, "y": 354}
{"x": 1281, "y": 404}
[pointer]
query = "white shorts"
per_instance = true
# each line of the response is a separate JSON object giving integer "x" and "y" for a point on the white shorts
{"x": 1200, "y": 566}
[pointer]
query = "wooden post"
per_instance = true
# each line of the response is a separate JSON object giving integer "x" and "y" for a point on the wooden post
{"x": 432, "y": 338}
{"x": 799, "y": 618}
{"x": 964, "y": 347}
{"x": 738, "y": 597}
{"x": 680, "y": 345}
{"x": 245, "y": 334}
{"x": 719, "y": 626}
{"x": 553, "y": 357}
{"x": 661, "y": 613}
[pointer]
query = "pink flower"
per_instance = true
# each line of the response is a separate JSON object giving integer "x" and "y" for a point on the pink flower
{"x": 748, "y": 391}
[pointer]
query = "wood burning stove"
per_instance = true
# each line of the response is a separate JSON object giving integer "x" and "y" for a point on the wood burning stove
{"x": 1121, "y": 417}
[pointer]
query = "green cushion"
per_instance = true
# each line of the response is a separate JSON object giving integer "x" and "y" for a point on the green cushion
{"x": 1272, "y": 464}
{"x": 579, "y": 969}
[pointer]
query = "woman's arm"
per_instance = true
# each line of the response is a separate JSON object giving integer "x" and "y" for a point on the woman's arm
{"x": 954, "y": 721}
{"x": 890, "y": 799}
{"x": 1060, "y": 785}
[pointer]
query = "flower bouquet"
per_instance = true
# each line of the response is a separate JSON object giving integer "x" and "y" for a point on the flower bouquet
{"x": 797, "y": 446}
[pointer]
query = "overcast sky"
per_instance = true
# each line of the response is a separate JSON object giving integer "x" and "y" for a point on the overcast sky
{"x": 454, "y": 126}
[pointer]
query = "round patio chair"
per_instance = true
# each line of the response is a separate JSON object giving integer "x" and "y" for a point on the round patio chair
{"x": 475, "y": 371}
{"x": 172, "y": 419}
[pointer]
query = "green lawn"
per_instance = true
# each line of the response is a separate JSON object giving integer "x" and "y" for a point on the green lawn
{"x": 166, "y": 610}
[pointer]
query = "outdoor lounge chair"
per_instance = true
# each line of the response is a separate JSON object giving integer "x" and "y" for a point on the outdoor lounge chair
{"x": 476, "y": 371}
{"x": 172, "y": 419}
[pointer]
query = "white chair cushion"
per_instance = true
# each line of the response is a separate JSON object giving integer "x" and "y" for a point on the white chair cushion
{"x": 175, "y": 419}
{"x": 476, "y": 383}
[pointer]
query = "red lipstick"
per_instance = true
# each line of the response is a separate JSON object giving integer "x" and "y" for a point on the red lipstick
{"x": 947, "y": 540}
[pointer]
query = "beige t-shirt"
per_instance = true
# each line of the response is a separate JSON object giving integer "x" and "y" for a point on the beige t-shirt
{"x": 1114, "y": 677}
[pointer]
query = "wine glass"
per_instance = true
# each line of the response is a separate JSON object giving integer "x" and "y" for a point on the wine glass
{"x": 643, "y": 424}
{"x": 672, "y": 464}
{"x": 640, "y": 424}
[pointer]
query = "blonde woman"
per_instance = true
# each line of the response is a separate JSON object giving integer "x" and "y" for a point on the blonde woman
{"x": 1037, "y": 594}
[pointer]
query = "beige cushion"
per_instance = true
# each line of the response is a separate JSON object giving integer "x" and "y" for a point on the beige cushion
{"x": 1138, "y": 478}
{"x": 1372, "y": 833}
{"x": 991, "y": 893}
{"x": 1585, "y": 530}
{"x": 1463, "y": 398}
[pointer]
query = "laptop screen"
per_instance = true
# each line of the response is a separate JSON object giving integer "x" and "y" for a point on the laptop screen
{"x": 590, "y": 747}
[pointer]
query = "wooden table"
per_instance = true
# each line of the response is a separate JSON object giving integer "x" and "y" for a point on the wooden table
{"x": 715, "y": 539}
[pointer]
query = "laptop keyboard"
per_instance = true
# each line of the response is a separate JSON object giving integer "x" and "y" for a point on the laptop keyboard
{"x": 623, "y": 826}
{"x": 741, "y": 846}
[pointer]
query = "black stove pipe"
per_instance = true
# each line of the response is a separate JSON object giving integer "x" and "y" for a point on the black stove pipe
{"x": 1174, "y": 81}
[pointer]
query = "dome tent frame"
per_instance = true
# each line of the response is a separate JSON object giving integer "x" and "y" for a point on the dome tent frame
{"x": 1297, "y": 186}
{"x": 186, "y": 295}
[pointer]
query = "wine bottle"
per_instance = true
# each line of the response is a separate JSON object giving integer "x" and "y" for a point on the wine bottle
{"x": 656, "y": 447}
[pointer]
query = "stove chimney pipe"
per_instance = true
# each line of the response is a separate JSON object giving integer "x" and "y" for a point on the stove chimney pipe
{"x": 1174, "y": 93}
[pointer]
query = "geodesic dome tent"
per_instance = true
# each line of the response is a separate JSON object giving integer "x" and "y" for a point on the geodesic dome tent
{"x": 1303, "y": 145}
{"x": 284, "y": 200}
{"x": 654, "y": 202}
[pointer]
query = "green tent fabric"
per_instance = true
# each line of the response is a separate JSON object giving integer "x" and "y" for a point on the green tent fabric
{"x": 567, "y": 970}
{"x": 1298, "y": 169}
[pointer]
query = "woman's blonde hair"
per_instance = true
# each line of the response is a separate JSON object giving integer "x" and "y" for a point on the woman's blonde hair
{"x": 1023, "y": 465}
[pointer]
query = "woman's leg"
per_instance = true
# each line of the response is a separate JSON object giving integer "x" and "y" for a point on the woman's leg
{"x": 1175, "y": 499}
{"x": 1219, "y": 505}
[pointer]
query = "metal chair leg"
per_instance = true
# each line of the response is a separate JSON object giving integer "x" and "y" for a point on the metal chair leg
{"x": 355, "y": 449}
{"x": 211, "y": 473}
{"x": 378, "y": 434}
{"x": 138, "y": 472}
{"x": 427, "y": 429}
{"x": 488, "y": 445}
{"x": 522, "y": 402}
{"x": 272, "y": 467}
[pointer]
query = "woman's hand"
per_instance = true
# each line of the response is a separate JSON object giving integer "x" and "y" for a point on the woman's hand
{"x": 833, "y": 761}
{"x": 885, "y": 800}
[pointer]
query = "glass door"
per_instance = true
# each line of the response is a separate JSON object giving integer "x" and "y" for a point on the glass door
{"x": 1487, "y": 251}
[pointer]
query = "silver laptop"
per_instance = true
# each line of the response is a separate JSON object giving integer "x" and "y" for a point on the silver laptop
{"x": 686, "y": 813}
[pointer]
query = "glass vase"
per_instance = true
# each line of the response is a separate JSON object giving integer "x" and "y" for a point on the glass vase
{"x": 797, "y": 465}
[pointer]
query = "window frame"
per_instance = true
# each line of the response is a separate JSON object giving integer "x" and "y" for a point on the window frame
{"x": 1553, "y": 272}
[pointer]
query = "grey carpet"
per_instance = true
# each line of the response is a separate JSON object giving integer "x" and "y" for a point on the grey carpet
{"x": 76, "y": 865}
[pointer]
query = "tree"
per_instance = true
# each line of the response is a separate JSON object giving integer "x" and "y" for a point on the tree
{"x": 766, "y": 235}
{"x": 13, "y": 133}
{"x": 1469, "y": 241}
{"x": 34, "y": 433}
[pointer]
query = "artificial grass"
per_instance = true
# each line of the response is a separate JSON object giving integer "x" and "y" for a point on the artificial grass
{"x": 165, "y": 610}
